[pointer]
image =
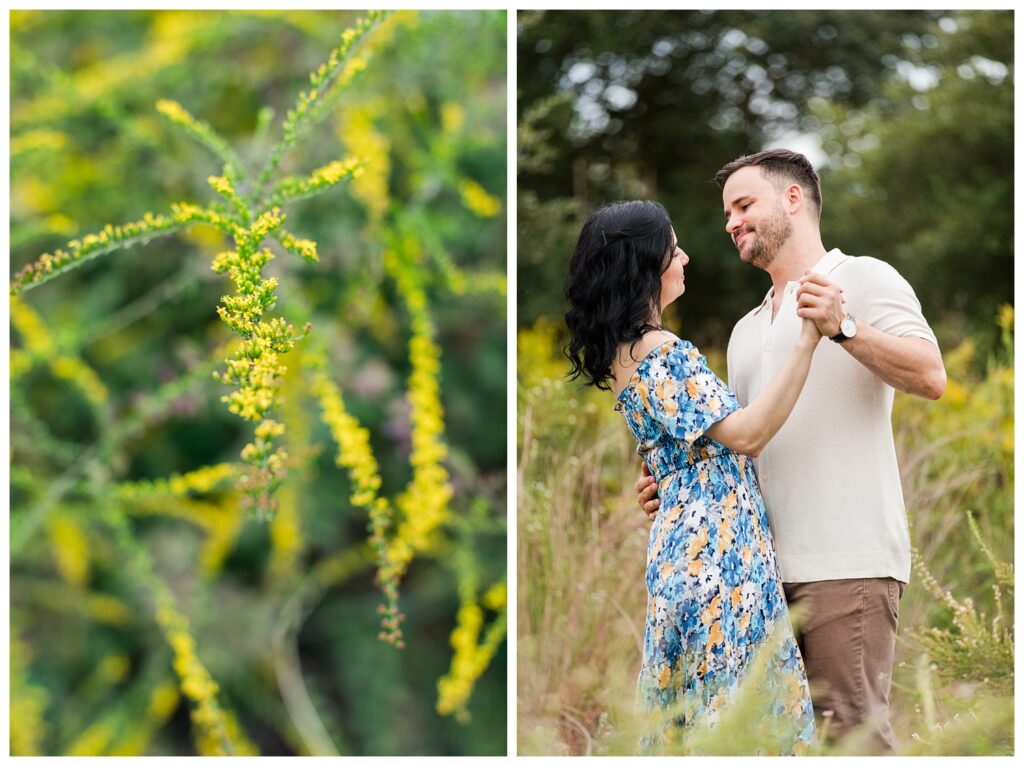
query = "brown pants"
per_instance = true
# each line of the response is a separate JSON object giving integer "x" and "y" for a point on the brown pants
{"x": 846, "y": 630}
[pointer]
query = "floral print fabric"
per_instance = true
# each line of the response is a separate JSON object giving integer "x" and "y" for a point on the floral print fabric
{"x": 714, "y": 593}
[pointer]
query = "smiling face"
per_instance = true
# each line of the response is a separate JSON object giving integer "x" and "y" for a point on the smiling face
{"x": 672, "y": 278}
{"x": 755, "y": 216}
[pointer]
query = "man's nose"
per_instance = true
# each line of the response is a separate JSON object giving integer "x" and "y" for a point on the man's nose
{"x": 731, "y": 224}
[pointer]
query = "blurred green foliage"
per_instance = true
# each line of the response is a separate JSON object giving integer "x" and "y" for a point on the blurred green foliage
{"x": 125, "y": 466}
{"x": 909, "y": 116}
{"x": 582, "y": 542}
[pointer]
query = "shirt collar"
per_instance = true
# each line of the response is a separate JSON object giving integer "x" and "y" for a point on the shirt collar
{"x": 828, "y": 261}
{"x": 825, "y": 264}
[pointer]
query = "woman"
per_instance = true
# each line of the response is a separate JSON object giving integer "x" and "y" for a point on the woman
{"x": 715, "y": 596}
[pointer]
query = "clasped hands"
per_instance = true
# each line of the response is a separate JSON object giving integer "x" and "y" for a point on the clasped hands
{"x": 818, "y": 300}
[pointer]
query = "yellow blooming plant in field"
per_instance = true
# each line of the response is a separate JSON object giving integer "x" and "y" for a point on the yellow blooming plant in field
{"x": 339, "y": 289}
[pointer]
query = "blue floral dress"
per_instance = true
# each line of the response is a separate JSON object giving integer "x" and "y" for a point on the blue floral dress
{"x": 714, "y": 591}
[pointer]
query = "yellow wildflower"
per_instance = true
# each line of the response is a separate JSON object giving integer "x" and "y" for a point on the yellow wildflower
{"x": 478, "y": 200}
{"x": 453, "y": 116}
{"x": 37, "y": 339}
{"x": 40, "y": 344}
{"x": 329, "y": 175}
{"x": 75, "y": 371}
{"x": 356, "y": 455}
{"x": 201, "y": 480}
{"x": 58, "y": 223}
{"x": 114, "y": 668}
{"x": 21, "y": 362}
{"x": 35, "y": 140}
{"x": 329, "y": 76}
{"x": 163, "y": 702}
{"x": 110, "y": 238}
{"x": 470, "y": 658}
{"x": 108, "y": 609}
{"x": 27, "y": 703}
{"x": 371, "y": 187}
{"x": 286, "y": 529}
{"x": 496, "y": 596}
{"x": 70, "y": 548}
{"x": 93, "y": 741}
{"x": 195, "y": 680}
{"x": 304, "y": 248}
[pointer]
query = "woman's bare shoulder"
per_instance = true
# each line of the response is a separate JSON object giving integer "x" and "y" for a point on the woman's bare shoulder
{"x": 653, "y": 340}
{"x": 629, "y": 356}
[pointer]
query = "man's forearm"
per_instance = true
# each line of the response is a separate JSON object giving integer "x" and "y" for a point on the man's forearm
{"x": 908, "y": 364}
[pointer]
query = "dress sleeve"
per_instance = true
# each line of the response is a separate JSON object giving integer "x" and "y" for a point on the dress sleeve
{"x": 684, "y": 396}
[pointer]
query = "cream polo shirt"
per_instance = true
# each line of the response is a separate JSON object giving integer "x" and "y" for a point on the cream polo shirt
{"x": 829, "y": 476}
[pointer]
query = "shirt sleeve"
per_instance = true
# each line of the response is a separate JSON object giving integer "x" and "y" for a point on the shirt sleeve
{"x": 685, "y": 396}
{"x": 890, "y": 304}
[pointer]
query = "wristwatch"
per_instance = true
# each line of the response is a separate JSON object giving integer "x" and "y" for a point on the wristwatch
{"x": 847, "y": 329}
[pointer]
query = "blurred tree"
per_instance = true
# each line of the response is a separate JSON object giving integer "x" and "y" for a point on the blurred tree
{"x": 656, "y": 101}
{"x": 925, "y": 173}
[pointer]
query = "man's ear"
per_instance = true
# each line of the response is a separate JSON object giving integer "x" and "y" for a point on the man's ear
{"x": 794, "y": 198}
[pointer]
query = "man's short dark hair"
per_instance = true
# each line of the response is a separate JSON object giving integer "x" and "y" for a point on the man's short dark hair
{"x": 779, "y": 165}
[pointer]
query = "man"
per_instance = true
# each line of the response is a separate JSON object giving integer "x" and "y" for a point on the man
{"x": 829, "y": 477}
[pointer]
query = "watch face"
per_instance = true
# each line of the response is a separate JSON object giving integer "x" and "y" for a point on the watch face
{"x": 848, "y": 327}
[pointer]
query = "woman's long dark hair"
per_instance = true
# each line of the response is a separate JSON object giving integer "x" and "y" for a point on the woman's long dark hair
{"x": 614, "y": 284}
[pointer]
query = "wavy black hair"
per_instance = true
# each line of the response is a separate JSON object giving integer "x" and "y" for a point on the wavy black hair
{"x": 614, "y": 285}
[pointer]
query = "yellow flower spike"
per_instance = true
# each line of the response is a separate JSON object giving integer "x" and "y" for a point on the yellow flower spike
{"x": 202, "y": 132}
{"x": 200, "y": 481}
{"x": 42, "y": 139}
{"x": 70, "y": 548}
{"x": 496, "y": 596}
{"x": 36, "y": 338}
{"x": 222, "y": 526}
{"x": 82, "y": 376}
{"x": 111, "y": 238}
{"x": 269, "y": 429}
{"x": 453, "y": 116}
{"x": 107, "y": 609}
{"x": 356, "y": 455}
{"x": 163, "y": 701}
{"x": 114, "y": 668}
{"x": 469, "y": 660}
{"x": 357, "y": 131}
{"x": 328, "y": 76}
{"x": 429, "y": 490}
{"x": 478, "y": 200}
{"x": 225, "y": 188}
{"x": 304, "y": 248}
{"x": 329, "y": 175}
{"x": 39, "y": 344}
{"x": 255, "y": 371}
{"x": 286, "y": 533}
{"x": 21, "y": 362}
{"x": 93, "y": 741}
{"x": 28, "y": 703}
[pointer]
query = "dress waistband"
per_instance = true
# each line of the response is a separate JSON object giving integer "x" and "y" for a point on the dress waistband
{"x": 664, "y": 462}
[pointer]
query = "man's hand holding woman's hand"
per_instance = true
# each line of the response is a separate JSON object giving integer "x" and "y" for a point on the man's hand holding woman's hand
{"x": 820, "y": 302}
{"x": 647, "y": 492}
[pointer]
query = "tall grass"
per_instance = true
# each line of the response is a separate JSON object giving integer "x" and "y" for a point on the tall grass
{"x": 582, "y": 542}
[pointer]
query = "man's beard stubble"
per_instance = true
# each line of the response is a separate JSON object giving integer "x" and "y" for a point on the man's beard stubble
{"x": 769, "y": 238}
